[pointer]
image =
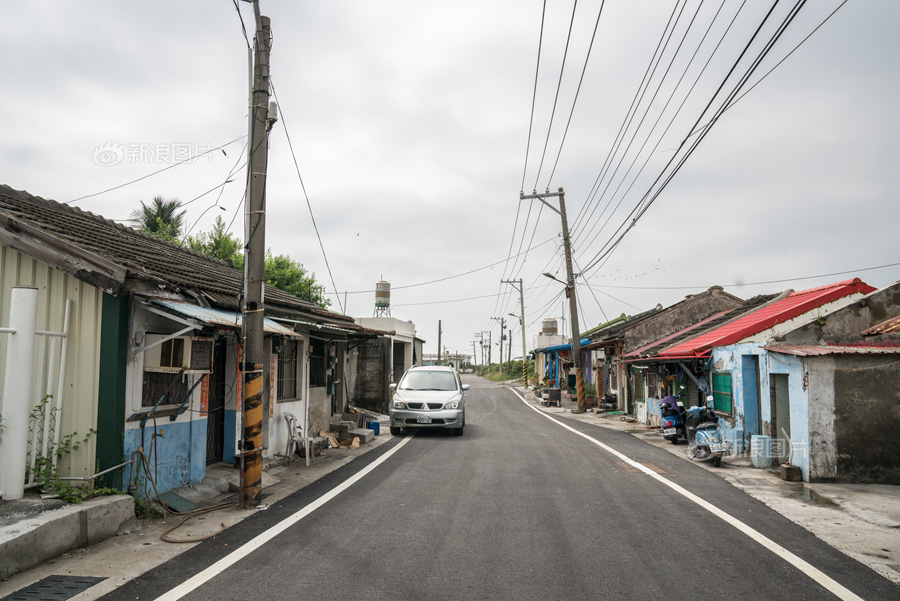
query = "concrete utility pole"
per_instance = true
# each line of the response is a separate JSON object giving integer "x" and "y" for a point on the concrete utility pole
{"x": 490, "y": 342}
{"x": 502, "y": 321}
{"x": 522, "y": 321}
{"x": 254, "y": 270}
{"x": 570, "y": 288}
{"x": 439, "y": 343}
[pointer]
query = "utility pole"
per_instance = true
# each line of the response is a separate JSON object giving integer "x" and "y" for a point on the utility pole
{"x": 522, "y": 320}
{"x": 489, "y": 344}
{"x": 254, "y": 270}
{"x": 439, "y": 343}
{"x": 570, "y": 288}
{"x": 502, "y": 321}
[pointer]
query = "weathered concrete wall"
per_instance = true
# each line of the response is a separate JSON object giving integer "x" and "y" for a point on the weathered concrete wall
{"x": 867, "y": 417}
{"x": 319, "y": 410}
{"x": 679, "y": 316}
{"x": 822, "y": 443}
{"x": 844, "y": 325}
{"x": 371, "y": 368}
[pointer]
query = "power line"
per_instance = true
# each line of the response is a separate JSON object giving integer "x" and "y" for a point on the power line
{"x": 795, "y": 279}
{"x": 172, "y": 166}
{"x": 306, "y": 196}
{"x": 450, "y": 277}
{"x": 537, "y": 70}
{"x": 577, "y": 91}
{"x": 650, "y": 196}
{"x": 562, "y": 70}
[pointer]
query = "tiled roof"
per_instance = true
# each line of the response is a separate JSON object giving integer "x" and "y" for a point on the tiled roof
{"x": 145, "y": 260}
{"x": 794, "y": 305}
{"x": 812, "y": 350}
{"x": 703, "y": 324}
{"x": 890, "y": 326}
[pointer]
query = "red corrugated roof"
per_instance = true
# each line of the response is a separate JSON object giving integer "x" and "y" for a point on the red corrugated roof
{"x": 637, "y": 352}
{"x": 796, "y": 304}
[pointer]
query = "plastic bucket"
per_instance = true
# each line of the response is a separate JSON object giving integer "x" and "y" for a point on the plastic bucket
{"x": 374, "y": 427}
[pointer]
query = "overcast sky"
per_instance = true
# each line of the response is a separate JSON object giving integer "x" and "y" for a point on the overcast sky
{"x": 410, "y": 122}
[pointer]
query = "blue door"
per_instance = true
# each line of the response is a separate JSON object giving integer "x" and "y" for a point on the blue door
{"x": 750, "y": 390}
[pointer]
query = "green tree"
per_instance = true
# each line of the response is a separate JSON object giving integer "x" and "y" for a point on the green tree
{"x": 162, "y": 217}
{"x": 217, "y": 243}
{"x": 286, "y": 274}
{"x": 282, "y": 272}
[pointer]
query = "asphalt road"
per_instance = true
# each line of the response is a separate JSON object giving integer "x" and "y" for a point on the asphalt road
{"x": 519, "y": 507}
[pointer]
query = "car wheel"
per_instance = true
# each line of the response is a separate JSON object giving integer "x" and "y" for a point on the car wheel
{"x": 395, "y": 431}
{"x": 458, "y": 432}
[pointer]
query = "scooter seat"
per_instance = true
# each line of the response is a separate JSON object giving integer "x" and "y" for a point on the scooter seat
{"x": 708, "y": 426}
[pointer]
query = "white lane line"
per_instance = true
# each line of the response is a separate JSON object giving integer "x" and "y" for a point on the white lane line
{"x": 249, "y": 547}
{"x": 817, "y": 575}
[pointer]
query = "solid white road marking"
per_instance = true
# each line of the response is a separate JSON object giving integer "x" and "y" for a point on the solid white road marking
{"x": 817, "y": 575}
{"x": 243, "y": 551}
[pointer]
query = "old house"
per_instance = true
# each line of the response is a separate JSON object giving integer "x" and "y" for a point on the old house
{"x": 153, "y": 346}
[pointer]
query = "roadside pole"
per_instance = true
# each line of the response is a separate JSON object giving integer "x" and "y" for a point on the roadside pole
{"x": 522, "y": 320}
{"x": 254, "y": 271}
{"x": 570, "y": 287}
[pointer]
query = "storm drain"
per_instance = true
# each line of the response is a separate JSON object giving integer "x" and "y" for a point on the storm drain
{"x": 54, "y": 587}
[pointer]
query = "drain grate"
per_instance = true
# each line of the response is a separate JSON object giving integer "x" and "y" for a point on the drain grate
{"x": 55, "y": 588}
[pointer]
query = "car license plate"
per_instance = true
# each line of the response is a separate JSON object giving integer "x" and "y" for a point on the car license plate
{"x": 669, "y": 432}
{"x": 423, "y": 419}
{"x": 718, "y": 447}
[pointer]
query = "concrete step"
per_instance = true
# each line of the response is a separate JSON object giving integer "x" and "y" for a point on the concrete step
{"x": 364, "y": 434}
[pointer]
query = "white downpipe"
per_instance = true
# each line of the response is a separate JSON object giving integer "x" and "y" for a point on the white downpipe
{"x": 17, "y": 391}
{"x": 60, "y": 385}
{"x": 42, "y": 432}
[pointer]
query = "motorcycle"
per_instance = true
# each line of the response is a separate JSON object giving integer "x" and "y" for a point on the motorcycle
{"x": 705, "y": 439}
{"x": 672, "y": 412}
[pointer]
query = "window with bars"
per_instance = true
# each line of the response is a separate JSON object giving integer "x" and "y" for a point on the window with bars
{"x": 288, "y": 384}
{"x": 722, "y": 398}
{"x": 160, "y": 388}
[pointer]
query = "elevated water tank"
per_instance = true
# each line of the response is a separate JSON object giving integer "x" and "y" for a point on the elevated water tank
{"x": 548, "y": 327}
{"x": 383, "y": 298}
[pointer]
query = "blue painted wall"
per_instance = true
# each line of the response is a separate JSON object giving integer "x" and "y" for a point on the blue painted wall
{"x": 750, "y": 411}
{"x": 178, "y": 458}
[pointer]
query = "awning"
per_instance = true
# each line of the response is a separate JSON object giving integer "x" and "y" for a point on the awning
{"x": 220, "y": 317}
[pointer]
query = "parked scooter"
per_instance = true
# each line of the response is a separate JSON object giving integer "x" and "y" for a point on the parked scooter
{"x": 705, "y": 439}
{"x": 672, "y": 412}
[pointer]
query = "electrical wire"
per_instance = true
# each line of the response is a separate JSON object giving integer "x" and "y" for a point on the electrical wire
{"x": 650, "y": 196}
{"x": 577, "y": 91}
{"x": 172, "y": 166}
{"x": 562, "y": 71}
{"x": 782, "y": 281}
{"x": 306, "y": 196}
{"x": 537, "y": 71}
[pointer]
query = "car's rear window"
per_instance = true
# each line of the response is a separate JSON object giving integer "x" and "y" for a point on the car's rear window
{"x": 428, "y": 380}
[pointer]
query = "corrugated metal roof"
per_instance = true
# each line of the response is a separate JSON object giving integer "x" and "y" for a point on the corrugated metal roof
{"x": 796, "y": 304}
{"x": 810, "y": 350}
{"x": 220, "y": 317}
{"x": 670, "y": 337}
{"x": 890, "y": 326}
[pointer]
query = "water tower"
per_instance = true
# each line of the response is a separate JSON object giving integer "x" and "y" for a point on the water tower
{"x": 382, "y": 299}
{"x": 548, "y": 327}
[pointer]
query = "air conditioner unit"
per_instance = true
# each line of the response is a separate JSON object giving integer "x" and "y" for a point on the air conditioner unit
{"x": 192, "y": 354}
